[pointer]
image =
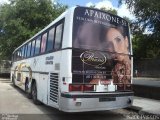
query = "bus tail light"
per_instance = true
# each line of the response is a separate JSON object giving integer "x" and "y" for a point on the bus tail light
{"x": 81, "y": 87}
{"x": 88, "y": 88}
{"x": 121, "y": 87}
{"x": 73, "y": 87}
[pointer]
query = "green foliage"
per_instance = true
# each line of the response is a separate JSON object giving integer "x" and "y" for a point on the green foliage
{"x": 144, "y": 46}
{"x": 21, "y": 19}
{"x": 127, "y": 19}
{"x": 112, "y": 11}
{"x": 92, "y": 6}
{"x": 148, "y": 17}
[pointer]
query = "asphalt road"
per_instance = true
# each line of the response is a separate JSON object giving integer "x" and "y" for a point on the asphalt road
{"x": 14, "y": 104}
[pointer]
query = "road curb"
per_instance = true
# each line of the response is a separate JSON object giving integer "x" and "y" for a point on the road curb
{"x": 141, "y": 111}
{"x": 147, "y": 91}
{"x": 134, "y": 108}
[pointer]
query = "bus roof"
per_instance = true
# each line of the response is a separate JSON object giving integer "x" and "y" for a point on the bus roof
{"x": 45, "y": 28}
{"x": 59, "y": 18}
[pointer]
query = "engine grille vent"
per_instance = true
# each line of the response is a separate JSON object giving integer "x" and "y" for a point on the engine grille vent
{"x": 54, "y": 87}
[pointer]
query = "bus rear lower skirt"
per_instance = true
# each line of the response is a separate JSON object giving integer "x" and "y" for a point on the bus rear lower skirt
{"x": 96, "y": 95}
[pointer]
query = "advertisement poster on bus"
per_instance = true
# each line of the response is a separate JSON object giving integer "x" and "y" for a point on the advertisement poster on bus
{"x": 101, "y": 48}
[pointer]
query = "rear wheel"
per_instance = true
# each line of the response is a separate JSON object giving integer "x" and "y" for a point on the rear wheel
{"x": 34, "y": 94}
{"x": 13, "y": 81}
{"x": 29, "y": 95}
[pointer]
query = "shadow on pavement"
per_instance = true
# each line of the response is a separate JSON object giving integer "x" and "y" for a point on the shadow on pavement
{"x": 51, "y": 113}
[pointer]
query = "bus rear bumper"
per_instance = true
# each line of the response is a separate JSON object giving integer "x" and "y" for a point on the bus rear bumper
{"x": 81, "y": 102}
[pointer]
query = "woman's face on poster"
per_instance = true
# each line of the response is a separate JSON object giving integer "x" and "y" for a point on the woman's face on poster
{"x": 116, "y": 42}
{"x": 88, "y": 36}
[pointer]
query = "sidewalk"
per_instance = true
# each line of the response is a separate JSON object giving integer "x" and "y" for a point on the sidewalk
{"x": 147, "y": 87}
{"x": 146, "y": 78}
{"x": 155, "y": 82}
{"x": 146, "y": 106}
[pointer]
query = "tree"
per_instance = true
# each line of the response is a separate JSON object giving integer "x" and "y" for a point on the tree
{"x": 21, "y": 19}
{"x": 148, "y": 18}
{"x": 110, "y": 10}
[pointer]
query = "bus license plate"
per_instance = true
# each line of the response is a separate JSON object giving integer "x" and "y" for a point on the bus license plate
{"x": 107, "y": 99}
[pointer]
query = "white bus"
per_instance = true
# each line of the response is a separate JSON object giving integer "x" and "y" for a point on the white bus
{"x": 82, "y": 61}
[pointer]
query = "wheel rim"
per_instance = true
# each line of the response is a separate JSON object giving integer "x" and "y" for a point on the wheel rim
{"x": 26, "y": 87}
{"x": 34, "y": 93}
{"x": 13, "y": 81}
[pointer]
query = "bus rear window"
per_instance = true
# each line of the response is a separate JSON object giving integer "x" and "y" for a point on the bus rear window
{"x": 98, "y": 30}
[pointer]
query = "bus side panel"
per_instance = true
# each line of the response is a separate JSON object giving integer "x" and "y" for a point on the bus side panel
{"x": 66, "y": 74}
{"x": 53, "y": 66}
{"x": 42, "y": 87}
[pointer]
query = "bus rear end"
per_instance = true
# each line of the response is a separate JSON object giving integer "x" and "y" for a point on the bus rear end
{"x": 101, "y": 63}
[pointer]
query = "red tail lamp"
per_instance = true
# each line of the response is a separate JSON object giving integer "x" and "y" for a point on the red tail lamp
{"x": 88, "y": 88}
{"x": 73, "y": 87}
{"x": 81, "y": 87}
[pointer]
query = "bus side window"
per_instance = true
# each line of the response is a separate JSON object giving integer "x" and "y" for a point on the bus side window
{"x": 23, "y": 48}
{"x": 50, "y": 40}
{"x": 33, "y": 48}
{"x": 43, "y": 43}
{"x": 37, "y": 48}
{"x": 20, "y": 53}
{"x": 58, "y": 37}
{"x": 15, "y": 56}
{"x": 29, "y": 49}
{"x": 26, "y": 50}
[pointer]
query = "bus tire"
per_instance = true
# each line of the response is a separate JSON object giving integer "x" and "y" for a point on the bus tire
{"x": 34, "y": 94}
{"x": 29, "y": 95}
{"x": 13, "y": 81}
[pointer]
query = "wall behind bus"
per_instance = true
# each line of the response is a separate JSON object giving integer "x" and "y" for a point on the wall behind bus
{"x": 147, "y": 67}
{"x": 5, "y": 67}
